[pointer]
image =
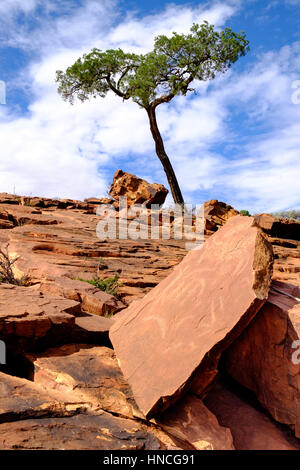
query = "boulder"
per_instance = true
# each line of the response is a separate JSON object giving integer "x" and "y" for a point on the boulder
{"x": 137, "y": 190}
{"x": 279, "y": 227}
{"x": 29, "y": 318}
{"x": 172, "y": 339}
{"x": 261, "y": 359}
{"x": 90, "y": 373}
{"x": 250, "y": 425}
{"x": 22, "y": 399}
{"x": 92, "y": 299}
{"x": 216, "y": 214}
{"x": 190, "y": 420}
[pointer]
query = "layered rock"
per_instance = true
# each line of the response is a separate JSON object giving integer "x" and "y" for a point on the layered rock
{"x": 216, "y": 214}
{"x": 81, "y": 432}
{"x": 136, "y": 190}
{"x": 192, "y": 421}
{"x": 28, "y": 319}
{"x": 250, "y": 426}
{"x": 199, "y": 309}
{"x": 262, "y": 358}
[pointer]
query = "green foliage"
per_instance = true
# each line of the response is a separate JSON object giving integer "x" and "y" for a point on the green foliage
{"x": 245, "y": 213}
{"x": 292, "y": 214}
{"x": 156, "y": 77}
{"x": 109, "y": 285}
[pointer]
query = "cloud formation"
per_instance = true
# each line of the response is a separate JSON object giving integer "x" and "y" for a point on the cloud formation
{"x": 236, "y": 139}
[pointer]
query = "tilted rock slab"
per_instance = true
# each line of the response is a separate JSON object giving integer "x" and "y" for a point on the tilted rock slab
{"x": 172, "y": 339}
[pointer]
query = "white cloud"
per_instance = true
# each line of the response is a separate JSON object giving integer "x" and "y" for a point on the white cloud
{"x": 60, "y": 150}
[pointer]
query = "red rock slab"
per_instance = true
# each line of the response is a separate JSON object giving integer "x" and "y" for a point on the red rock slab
{"x": 92, "y": 299}
{"x": 22, "y": 399}
{"x": 261, "y": 359}
{"x": 89, "y": 372}
{"x": 163, "y": 341}
{"x": 81, "y": 432}
{"x": 28, "y": 317}
{"x": 190, "y": 420}
{"x": 251, "y": 428}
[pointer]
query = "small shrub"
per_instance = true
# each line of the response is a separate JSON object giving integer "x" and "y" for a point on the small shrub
{"x": 245, "y": 213}
{"x": 6, "y": 269}
{"x": 109, "y": 285}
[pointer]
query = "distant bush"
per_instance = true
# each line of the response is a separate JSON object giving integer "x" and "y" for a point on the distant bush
{"x": 245, "y": 213}
{"x": 292, "y": 214}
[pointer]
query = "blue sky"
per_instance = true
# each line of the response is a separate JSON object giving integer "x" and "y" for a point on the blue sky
{"x": 236, "y": 140}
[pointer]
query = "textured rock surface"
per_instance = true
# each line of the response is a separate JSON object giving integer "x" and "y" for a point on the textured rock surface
{"x": 216, "y": 214}
{"x": 22, "y": 399}
{"x": 92, "y": 299}
{"x": 29, "y": 319}
{"x": 137, "y": 190}
{"x": 90, "y": 373}
{"x": 251, "y": 427}
{"x": 191, "y": 420}
{"x": 261, "y": 359}
{"x": 163, "y": 341}
{"x": 81, "y": 432}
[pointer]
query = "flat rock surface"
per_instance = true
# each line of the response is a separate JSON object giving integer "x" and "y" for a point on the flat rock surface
{"x": 201, "y": 307}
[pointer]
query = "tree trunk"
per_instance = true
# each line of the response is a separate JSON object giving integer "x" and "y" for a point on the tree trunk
{"x": 161, "y": 153}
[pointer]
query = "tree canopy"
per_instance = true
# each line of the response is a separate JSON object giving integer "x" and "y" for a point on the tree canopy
{"x": 158, "y": 76}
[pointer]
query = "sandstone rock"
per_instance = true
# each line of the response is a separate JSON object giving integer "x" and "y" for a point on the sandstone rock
{"x": 137, "y": 190}
{"x": 89, "y": 373}
{"x": 279, "y": 227}
{"x": 190, "y": 420}
{"x": 92, "y": 329}
{"x": 22, "y": 399}
{"x": 96, "y": 200}
{"x": 251, "y": 427}
{"x": 28, "y": 318}
{"x": 216, "y": 214}
{"x": 261, "y": 358}
{"x": 172, "y": 339}
{"x": 92, "y": 299}
{"x": 81, "y": 432}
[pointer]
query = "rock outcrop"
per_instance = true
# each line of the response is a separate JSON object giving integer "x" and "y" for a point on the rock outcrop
{"x": 199, "y": 309}
{"x": 136, "y": 190}
{"x": 216, "y": 214}
{"x": 62, "y": 386}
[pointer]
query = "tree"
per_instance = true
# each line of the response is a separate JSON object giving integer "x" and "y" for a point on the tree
{"x": 156, "y": 77}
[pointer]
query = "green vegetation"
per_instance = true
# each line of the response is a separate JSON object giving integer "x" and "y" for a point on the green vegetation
{"x": 292, "y": 214}
{"x": 156, "y": 77}
{"x": 245, "y": 213}
{"x": 110, "y": 285}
